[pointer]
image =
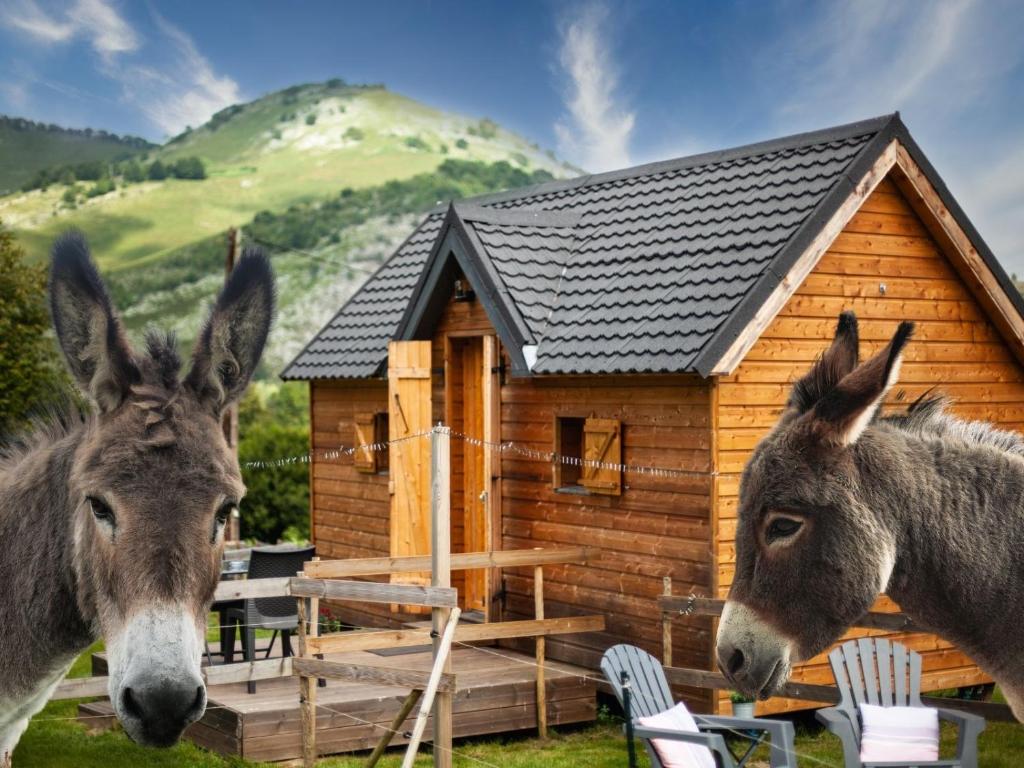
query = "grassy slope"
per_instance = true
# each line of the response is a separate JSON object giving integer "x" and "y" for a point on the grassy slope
{"x": 258, "y": 161}
{"x": 25, "y": 151}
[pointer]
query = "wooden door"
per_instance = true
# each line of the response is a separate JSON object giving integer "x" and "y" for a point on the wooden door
{"x": 474, "y": 494}
{"x": 409, "y": 458}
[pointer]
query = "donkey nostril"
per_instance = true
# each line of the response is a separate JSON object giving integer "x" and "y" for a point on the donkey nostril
{"x": 735, "y": 661}
{"x": 199, "y": 702}
{"x": 131, "y": 706}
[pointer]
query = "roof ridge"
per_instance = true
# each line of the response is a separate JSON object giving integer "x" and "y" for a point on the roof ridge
{"x": 518, "y": 217}
{"x": 806, "y": 138}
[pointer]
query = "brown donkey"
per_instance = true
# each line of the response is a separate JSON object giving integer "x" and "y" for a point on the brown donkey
{"x": 113, "y": 524}
{"x": 837, "y": 505}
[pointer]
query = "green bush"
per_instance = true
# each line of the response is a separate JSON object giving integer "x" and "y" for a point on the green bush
{"x": 70, "y": 195}
{"x": 101, "y": 187}
{"x": 133, "y": 172}
{"x": 157, "y": 171}
{"x": 353, "y": 133}
{"x": 276, "y": 504}
{"x": 311, "y": 119}
{"x": 31, "y": 375}
{"x": 189, "y": 168}
{"x": 461, "y": 143}
{"x": 415, "y": 142}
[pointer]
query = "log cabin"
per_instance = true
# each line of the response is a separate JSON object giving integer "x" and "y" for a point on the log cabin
{"x": 653, "y": 317}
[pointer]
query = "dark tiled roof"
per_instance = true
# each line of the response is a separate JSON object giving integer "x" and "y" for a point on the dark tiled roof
{"x": 658, "y": 269}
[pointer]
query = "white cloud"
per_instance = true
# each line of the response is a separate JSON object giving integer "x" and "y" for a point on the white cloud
{"x": 26, "y": 16}
{"x": 169, "y": 80}
{"x": 951, "y": 68}
{"x": 596, "y": 131}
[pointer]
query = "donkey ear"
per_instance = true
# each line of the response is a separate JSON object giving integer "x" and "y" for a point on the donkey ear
{"x": 836, "y": 362}
{"x": 842, "y": 415}
{"x": 232, "y": 340}
{"x": 89, "y": 332}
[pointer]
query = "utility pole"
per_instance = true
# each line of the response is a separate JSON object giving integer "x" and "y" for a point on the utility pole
{"x": 230, "y": 419}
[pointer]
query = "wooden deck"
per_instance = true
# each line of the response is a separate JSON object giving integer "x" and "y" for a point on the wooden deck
{"x": 496, "y": 694}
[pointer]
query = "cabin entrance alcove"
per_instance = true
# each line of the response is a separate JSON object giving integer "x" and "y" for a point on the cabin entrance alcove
{"x": 471, "y": 397}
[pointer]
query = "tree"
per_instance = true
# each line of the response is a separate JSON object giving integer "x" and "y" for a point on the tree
{"x": 157, "y": 171}
{"x": 133, "y": 172}
{"x": 31, "y": 375}
{"x": 189, "y": 168}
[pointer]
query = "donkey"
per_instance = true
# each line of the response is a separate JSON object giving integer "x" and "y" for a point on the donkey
{"x": 113, "y": 523}
{"x": 838, "y": 504}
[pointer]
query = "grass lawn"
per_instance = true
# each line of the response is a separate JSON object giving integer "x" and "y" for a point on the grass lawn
{"x": 55, "y": 740}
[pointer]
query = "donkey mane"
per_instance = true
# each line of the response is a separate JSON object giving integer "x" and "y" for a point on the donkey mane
{"x": 928, "y": 417}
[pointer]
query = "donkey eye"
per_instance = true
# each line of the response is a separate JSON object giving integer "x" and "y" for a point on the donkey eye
{"x": 225, "y": 511}
{"x": 782, "y": 527}
{"x": 100, "y": 510}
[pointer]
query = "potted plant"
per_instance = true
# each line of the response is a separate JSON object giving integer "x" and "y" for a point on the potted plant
{"x": 742, "y": 706}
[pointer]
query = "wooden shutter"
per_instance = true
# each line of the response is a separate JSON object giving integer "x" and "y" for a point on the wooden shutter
{"x": 409, "y": 459}
{"x": 602, "y": 442}
{"x": 365, "y": 459}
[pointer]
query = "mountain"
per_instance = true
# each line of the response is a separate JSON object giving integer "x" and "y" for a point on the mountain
{"x": 333, "y": 175}
{"x": 27, "y": 147}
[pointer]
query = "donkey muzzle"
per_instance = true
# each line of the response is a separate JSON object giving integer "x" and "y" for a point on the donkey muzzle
{"x": 155, "y": 681}
{"x": 754, "y": 657}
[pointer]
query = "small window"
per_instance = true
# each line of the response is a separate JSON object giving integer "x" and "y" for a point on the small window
{"x": 588, "y": 440}
{"x": 371, "y": 432}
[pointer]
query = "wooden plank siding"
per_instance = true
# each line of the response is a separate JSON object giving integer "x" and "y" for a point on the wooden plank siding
{"x": 955, "y": 346}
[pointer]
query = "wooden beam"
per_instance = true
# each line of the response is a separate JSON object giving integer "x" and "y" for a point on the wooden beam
{"x": 246, "y": 588}
{"x": 372, "y": 592}
{"x": 441, "y": 655}
{"x": 926, "y": 201}
{"x": 377, "y": 566}
{"x": 708, "y": 606}
{"x": 734, "y": 355}
{"x": 368, "y": 673}
{"x": 246, "y": 671}
{"x": 344, "y": 642}
{"x": 441, "y": 577}
{"x": 396, "y": 723}
{"x": 540, "y": 650}
{"x": 81, "y": 687}
{"x": 829, "y": 694}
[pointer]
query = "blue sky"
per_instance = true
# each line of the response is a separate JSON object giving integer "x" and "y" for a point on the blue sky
{"x": 604, "y": 83}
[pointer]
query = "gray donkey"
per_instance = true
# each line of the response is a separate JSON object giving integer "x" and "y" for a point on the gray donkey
{"x": 837, "y": 505}
{"x": 113, "y": 524}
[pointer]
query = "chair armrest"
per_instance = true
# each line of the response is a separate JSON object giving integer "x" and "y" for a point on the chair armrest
{"x": 780, "y": 734}
{"x": 837, "y": 722}
{"x": 712, "y": 741}
{"x": 968, "y": 728}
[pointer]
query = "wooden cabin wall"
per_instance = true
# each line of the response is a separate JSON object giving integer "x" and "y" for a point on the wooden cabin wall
{"x": 954, "y": 346}
{"x": 350, "y": 510}
{"x": 658, "y": 527}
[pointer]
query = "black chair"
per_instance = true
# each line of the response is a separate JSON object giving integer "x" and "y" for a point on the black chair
{"x": 279, "y": 614}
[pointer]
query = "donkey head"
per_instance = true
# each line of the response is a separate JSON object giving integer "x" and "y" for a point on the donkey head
{"x": 811, "y": 553}
{"x": 153, "y": 482}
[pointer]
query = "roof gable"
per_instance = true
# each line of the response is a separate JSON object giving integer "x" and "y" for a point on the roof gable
{"x": 663, "y": 268}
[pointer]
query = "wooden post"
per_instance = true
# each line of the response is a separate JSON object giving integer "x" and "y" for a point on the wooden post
{"x": 307, "y": 692}
{"x": 666, "y": 625}
{"x": 230, "y": 418}
{"x": 441, "y": 576}
{"x": 542, "y": 698}
{"x": 441, "y": 659}
{"x": 382, "y": 745}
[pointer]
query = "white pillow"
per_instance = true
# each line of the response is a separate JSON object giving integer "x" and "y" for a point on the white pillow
{"x": 898, "y": 734}
{"x": 678, "y": 754}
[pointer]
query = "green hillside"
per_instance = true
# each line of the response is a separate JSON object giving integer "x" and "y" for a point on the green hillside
{"x": 27, "y": 147}
{"x": 335, "y": 175}
{"x": 294, "y": 145}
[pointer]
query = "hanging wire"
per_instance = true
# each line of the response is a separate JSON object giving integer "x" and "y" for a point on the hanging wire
{"x": 551, "y": 457}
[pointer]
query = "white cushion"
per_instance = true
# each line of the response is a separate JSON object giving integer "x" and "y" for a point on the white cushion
{"x": 898, "y": 734}
{"x": 678, "y": 754}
